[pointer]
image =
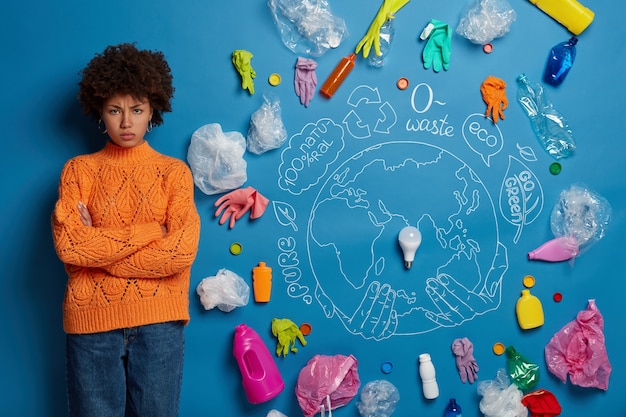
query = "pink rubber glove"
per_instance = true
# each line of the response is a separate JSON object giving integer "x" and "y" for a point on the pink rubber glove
{"x": 236, "y": 203}
{"x": 466, "y": 364}
{"x": 305, "y": 79}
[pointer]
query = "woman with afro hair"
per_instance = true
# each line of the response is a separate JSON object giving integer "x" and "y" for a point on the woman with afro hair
{"x": 126, "y": 228}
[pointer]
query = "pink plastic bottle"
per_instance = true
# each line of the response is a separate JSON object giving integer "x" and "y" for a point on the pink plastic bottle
{"x": 259, "y": 374}
{"x": 556, "y": 250}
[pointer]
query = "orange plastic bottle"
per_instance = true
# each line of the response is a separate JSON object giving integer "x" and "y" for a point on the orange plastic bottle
{"x": 338, "y": 75}
{"x": 262, "y": 282}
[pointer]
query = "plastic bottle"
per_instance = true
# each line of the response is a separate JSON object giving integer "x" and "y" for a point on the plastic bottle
{"x": 529, "y": 311}
{"x": 452, "y": 409}
{"x": 259, "y": 374}
{"x": 549, "y": 126}
{"x": 556, "y": 250}
{"x": 386, "y": 37}
{"x": 339, "y": 74}
{"x": 262, "y": 282}
{"x": 560, "y": 61}
{"x": 428, "y": 376}
{"x": 570, "y": 13}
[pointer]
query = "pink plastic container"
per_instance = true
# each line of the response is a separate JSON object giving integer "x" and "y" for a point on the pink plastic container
{"x": 556, "y": 250}
{"x": 259, "y": 374}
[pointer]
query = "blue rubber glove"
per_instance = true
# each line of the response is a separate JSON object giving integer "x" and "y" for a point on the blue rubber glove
{"x": 437, "y": 51}
{"x": 305, "y": 79}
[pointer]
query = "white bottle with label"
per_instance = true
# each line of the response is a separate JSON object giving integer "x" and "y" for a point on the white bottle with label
{"x": 428, "y": 375}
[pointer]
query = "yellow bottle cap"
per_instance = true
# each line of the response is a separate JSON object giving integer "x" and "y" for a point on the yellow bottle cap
{"x": 529, "y": 281}
{"x": 274, "y": 79}
{"x": 498, "y": 348}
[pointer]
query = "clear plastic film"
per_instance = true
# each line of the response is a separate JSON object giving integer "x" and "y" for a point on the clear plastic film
{"x": 307, "y": 26}
{"x": 501, "y": 398}
{"x": 267, "y": 130}
{"x": 379, "y": 398}
{"x": 226, "y": 291}
{"x": 486, "y": 20}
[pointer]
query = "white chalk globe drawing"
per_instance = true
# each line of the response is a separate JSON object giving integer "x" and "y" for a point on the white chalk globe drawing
{"x": 356, "y": 260}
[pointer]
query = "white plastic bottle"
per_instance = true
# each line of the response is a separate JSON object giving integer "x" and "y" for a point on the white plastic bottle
{"x": 428, "y": 375}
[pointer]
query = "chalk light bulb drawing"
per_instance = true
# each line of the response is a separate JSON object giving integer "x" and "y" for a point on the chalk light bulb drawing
{"x": 410, "y": 240}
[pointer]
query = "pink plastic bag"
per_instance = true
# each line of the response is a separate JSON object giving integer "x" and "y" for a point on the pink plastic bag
{"x": 579, "y": 349}
{"x": 326, "y": 383}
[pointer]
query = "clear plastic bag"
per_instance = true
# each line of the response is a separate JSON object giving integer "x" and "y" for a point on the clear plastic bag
{"x": 267, "y": 130}
{"x": 486, "y": 20}
{"x": 307, "y": 26}
{"x": 379, "y": 398}
{"x": 226, "y": 291}
{"x": 501, "y": 398}
{"x": 216, "y": 159}
{"x": 326, "y": 383}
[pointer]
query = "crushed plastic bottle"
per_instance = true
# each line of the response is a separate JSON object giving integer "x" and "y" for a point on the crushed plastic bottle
{"x": 386, "y": 37}
{"x": 549, "y": 126}
{"x": 560, "y": 61}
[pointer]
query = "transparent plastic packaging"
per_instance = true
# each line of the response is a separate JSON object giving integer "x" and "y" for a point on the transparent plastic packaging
{"x": 379, "y": 398}
{"x": 501, "y": 398}
{"x": 549, "y": 126}
{"x": 267, "y": 130}
{"x": 307, "y": 26}
{"x": 386, "y": 37}
{"x": 226, "y": 291}
{"x": 560, "y": 61}
{"x": 216, "y": 159}
{"x": 486, "y": 20}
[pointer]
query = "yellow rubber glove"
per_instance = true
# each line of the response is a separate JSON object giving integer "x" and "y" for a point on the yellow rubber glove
{"x": 241, "y": 61}
{"x": 386, "y": 11}
{"x": 286, "y": 332}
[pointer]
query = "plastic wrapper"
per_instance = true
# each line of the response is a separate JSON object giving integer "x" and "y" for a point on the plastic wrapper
{"x": 226, "y": 291}
{"x": 275, "y": 413}
{"x": 579, "y": 350}
{"x": 326, "y": 383}
{"x": 307, "y": 26}
{"x": 522, "y": 371}
{"x": 267, "y": 130}
{"x": 486, "y": 20}
{"x": 379, "y": 398}
{"x": 501, "y": 398}
{"x": 582, "y": 214}
{"x": 216, "y": 159}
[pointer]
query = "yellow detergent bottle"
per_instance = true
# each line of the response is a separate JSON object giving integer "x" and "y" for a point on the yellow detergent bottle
{"x": 529, "y": 311}
{"x": 570, "y": 13}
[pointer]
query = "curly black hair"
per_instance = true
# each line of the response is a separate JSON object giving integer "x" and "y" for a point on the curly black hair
{"x": 124, "y": 69}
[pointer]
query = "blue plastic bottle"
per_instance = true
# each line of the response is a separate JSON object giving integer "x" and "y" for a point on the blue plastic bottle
{"x": 452, "y": 409}
{"x": 560, "y": 61}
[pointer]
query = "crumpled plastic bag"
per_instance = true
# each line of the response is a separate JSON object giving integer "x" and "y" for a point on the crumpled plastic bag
{"x": 226, "y": 291}
{"x": 307, "y": 26}
{"x": 578, "y": 349}
{"x": 501, "y": 398}
{"x": 486, "y": 20}
{"x": 326, "y": 383}
{"x": 216, "y": 159}
{"x": 267, "y": 130}
{"x": 275, "y": 413}
{"x": 582, "y": 214}
{"x": 379, "y": 398}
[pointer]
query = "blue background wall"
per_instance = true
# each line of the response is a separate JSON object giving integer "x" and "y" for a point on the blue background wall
{"x": 45, "y": 44}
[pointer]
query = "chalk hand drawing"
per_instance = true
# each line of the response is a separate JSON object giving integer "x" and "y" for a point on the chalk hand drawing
{"x": 361, "y": 280}
{"x": 456, "y": 303}
{"x": 482, "y": 137}
{"x": 521, "y": 196}
{"x": 526, "y": 153}
{"x": 367, "y": 109}
{"x": 285, "y": 214}
{"x": 308, "y": 154}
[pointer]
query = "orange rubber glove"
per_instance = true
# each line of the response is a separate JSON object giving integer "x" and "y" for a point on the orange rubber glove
{"x": 493, "y": 90}
{"x": 236, "y": 203}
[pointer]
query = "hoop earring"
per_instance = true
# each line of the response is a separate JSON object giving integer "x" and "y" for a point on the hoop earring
{"x": 150, "y": 126}
{"x": 103, "y": 131}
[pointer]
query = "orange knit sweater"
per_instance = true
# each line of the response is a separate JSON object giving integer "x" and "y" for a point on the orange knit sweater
{"x": 122, "y": 272}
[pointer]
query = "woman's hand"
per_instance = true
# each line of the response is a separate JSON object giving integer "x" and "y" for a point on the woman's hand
{"x": 85, "y": 217}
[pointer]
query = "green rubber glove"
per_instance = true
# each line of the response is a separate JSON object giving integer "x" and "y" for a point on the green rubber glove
{"x": 437, "y": 51}
{"x": 386, "y": 11}
{"x": 241, "y": 61}
{"x": 286, "y": 332}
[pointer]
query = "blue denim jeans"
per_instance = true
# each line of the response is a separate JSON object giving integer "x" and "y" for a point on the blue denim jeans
{"x": 126, "y": 372}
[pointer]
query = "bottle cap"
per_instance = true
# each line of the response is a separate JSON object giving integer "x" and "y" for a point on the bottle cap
{"x": 487, "y": 48}
{"x": 498, "y": 348}
{"x": 305, "y": 328}
{"x": 529, "y": 281}
{"x": 235, "y": 248}
{"x": 402, "y": 84}
{"x": 386, "y": 367}
{"x": 274, "y": 79}
{"x": 555, "y": 168}
{"x": 557, "y": 297}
